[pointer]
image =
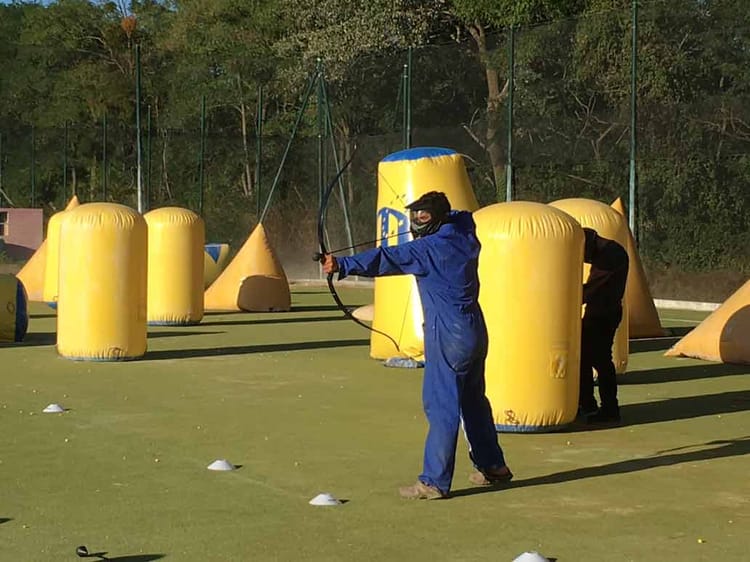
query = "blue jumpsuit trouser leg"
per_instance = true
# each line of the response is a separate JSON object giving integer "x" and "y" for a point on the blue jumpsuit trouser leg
{"x": 448, "y": 395}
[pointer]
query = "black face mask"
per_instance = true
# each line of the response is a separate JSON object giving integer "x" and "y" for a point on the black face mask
{"x": 434, "y": 202}
{"x": 425, "y": 228}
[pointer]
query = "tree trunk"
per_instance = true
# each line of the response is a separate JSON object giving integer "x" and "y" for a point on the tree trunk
{"x": 495, "y": 97}
{"x": 247, "y": 175}
{"x": 164, "y": 171}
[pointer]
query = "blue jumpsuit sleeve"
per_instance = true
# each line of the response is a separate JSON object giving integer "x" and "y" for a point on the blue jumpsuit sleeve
{"x": 392, "y": 260}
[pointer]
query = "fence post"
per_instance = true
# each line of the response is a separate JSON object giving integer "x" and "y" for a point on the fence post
{"x": 511, "y": 87}
{"x": 633, "y": 134}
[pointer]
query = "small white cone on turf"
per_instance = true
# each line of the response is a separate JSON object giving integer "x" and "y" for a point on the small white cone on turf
{"x": 324, "y": 499}
{"x": 53, "y": 409}
{"x": 221, "y": 464}
{"x": 532, "y": 556}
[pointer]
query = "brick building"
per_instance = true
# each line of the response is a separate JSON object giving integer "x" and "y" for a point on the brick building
{"x": 21, "y": 232}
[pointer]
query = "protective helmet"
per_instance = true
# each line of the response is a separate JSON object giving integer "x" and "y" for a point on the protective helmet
{"x": 435, "y": 203}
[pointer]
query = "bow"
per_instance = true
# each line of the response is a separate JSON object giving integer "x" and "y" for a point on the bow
{"x": 324, "y": 250}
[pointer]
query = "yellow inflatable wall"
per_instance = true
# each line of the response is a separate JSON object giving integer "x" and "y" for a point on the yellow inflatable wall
{"x": 176, "y": 238}
{"x": 215, "y": 257}
{"x": 643, "y": 320}
{"x": 723, "y": 336}
{"x": 530, "y": 278}
{"x": 14, "y": 312}
{"x": 32, "y": 273}
{"x": 609, "y": 224}
{"x": 51, "y": 266}
{"x": 254, "y": 280}
{"x": 101, "y": 307}
{"x": 403, "y": 177}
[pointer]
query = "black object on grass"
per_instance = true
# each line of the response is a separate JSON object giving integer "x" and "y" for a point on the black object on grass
{"x": 82, "y": 551}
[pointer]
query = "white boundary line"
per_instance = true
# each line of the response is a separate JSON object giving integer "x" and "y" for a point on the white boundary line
{"x": 686, "y": 305}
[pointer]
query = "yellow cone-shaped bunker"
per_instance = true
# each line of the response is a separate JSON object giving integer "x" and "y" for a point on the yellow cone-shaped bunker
{"x": 723, "y": 336}
{"x": 101, "y": 307}
{"x": 530, "y": 293}
{"x": 643, "y": 320}
{"x": 403, "y": 177}
{"x": 176, "y": 238}
{"x": 610, "y": 224}
{"x": 253, "y": 281}
{"x": 32, "y": 275}
{"x": 52, "y": 259}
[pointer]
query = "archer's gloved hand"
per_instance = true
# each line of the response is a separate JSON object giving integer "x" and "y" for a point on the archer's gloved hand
{"x": 330, "y": 265}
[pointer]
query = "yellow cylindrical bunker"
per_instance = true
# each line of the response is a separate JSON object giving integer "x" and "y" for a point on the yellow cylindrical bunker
{"x": 608, "y": 223}
{"x": 530, "y": 293}
{"x": 176, "y": 237}
{"x": 404, "y": 177}
{"x": 101, "y": 311}
{"x": 14, "y": 309}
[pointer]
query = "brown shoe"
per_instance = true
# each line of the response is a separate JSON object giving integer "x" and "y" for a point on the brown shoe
{"x": 421, "y": 491}
{"x": 491, "y": 476}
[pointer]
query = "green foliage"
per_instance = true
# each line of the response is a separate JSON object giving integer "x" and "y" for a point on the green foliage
{"x": 66, "y": 65}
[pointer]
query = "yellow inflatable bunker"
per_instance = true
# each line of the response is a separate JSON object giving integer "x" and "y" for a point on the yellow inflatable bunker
{"x": 530, "y": 292}
{"x": 176, "y": 238}
{"x": 403, "y": 177}
{"x": 253, "y": 281}
{"x": 610, "y": 224}
{"x": 32, "y": 273}
{"x": 723, "y": 335}
{"x": 52, "y": 263}
{"x": 643, "y": 320}
{"x": 14, "y": 312}
{"x": 101, "y": 306}
{"x": 215, "y": 257}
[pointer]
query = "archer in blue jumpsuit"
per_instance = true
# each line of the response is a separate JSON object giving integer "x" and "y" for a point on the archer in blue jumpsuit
{"x": 443, "y": 258}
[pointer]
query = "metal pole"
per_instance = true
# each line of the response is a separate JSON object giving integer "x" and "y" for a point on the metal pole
{"x": 1, "y": 170}
{"x": 633, "y": 133}
{"x": 342, "y": 197}
{"x": 258, "y": 149}
{"x": 33, "y": 167}
{"x": 407, "y": 98}
{"x": 301, "y": 112}
{"x": 511, "y": 87}
{"x": 404, "y": 104}
{"x": 147, "y": 194}
{"x": 202, "y": 155}
{"x": 104, "y": 156}
{"x": 65, "y": 162}
{"x": 321, "y": 130}
{"x": 139, "y": 163}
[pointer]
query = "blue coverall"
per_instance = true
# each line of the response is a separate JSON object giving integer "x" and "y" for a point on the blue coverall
{"x": 455, "y": 341}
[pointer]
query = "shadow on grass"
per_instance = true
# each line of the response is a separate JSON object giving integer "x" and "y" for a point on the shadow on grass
{"x": 186, "y": 332}
{"x": 260, "y": 321}
{"x": 679, "y": 331}
{"x": 686, "y": 373}
{"x": 33, "y": 339}
{"x": 5, "y": 520}
{"x": 706, "y": 451}
{"x": 45, "y": 315}
{"x": 673, "y": 409}
{"x": 246, "y": 349}
{"x": 652, "y": 344}
{"x": 127, "y": 558}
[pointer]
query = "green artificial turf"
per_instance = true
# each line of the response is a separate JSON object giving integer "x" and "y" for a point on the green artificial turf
{"x": 295, "y": 400}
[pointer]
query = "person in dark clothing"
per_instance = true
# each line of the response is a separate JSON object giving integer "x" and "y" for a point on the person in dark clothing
{"x": 443, "y": 257}
{"x": 602, "y": 294}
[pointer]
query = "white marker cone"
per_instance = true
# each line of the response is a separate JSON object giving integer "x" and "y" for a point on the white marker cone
{"x": 53, "y": 409}
{"x": 221, "y": 464}
{"x": 324, "y": 499}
